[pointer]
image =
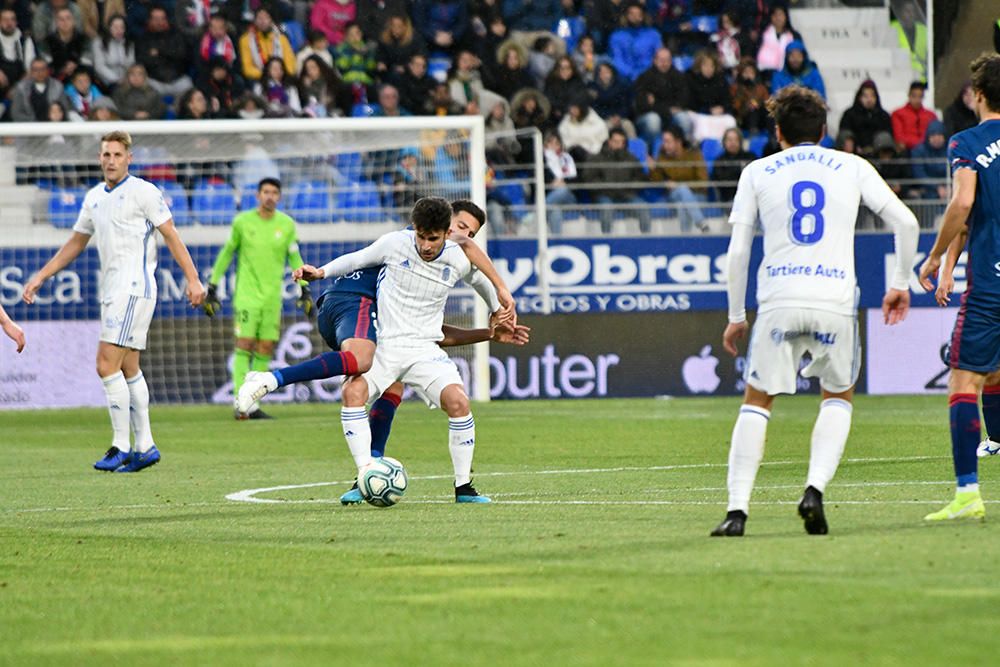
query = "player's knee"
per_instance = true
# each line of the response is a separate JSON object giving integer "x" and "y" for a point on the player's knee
{"x": 246, "y": 344}
{"x": 265, "y": 347}
{"x": 454, "y": 401}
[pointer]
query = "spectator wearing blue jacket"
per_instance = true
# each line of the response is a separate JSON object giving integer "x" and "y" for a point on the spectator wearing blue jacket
{"x": 442, "y": 23}
{"x": 930, "y": 162}
{"x": 633, "y": 46}
{"x": 532, "y": 15}
{"x": 798, "y": 70}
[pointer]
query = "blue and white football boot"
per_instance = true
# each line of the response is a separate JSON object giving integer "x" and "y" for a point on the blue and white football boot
{"x": 138, "y": 461}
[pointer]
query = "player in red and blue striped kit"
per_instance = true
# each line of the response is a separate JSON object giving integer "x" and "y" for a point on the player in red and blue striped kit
{"x": 974, "y": 155}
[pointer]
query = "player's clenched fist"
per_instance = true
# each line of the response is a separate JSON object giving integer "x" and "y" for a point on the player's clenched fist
{"x": 31, "y": 289}
{"x": 308, "y": 272}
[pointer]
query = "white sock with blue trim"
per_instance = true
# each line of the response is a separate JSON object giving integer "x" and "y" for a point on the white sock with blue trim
{"x": 462, "y": 445}
{"x": 745, "y": 454}
{"x": 138, "y": 392}
{"x": 358, "y": 434}
{"x": 116, "y": 390}
{"x": 829, "y": 437}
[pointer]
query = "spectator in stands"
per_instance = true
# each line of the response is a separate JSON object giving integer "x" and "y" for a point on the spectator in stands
{"x": 752, "y": 17}
{"x": 560, "y": 171}
{"x": 910, "y": 121}
{"x": 660, "y": 93}
{"x": 615, "y": 171}
{"x": 57, "y": 114}
{"x": 43, "y": 21}
{"x": 373, "y": 15}
{"x": 866, "y": 117}
{"x": 23, "y": 9}
{"x": 321, "y": 91}
{"x": 194, "y": 106}
{"x": 243, "y": 13}
{"x": 222, "y": 88}
{"x": 846, "y": 142}
{"x": 442, "y": 23}
{"x": 749, "y": 96}
{"x": 355, "y": 60}
{"x": 415, "y": 85}
{"x": 633, "y": 46}
{"x": 485, "y": 40}
{"x": 319, "y": 46}
{"x": 81, "y": 94}
{"x": 113, "y": 53}
{"x": 192, "y": 17}
{"x": 888, "y": 164}
{"x": 66, "y": 48}
{"x": 529, "y": 19}
{"x": 930, "y": 163}
{"x": 165, "y": 55}
{"x": 586, "y": 59}
{"x": 798, "y": 70}
{"x": 612, "y": 98}
{"x": 136, "y": 99}
{"x": 774, "y": 42}
{"x": 563, "y": 86}
{"x": 511, "y": 74}
{"x": 261, "y": 42}
{"x": 250, "y": 107}
{"x": 35, "y": 93}
{"x": 331, "y": 17}
{"x": 542, "y": 59}
{"x": 911, "y": 35}
{"x": 104, "y": 110}
{"x": 280, "y": 90}
{"x": 501, "y": 144}
{"x": 441, "y": 103}
{"x": 678, "y": 165}
{"x": 708, "y": 91}
{"x": 583, "y": 132}
{"x": 465, "y": 80}
{"x": 731, "y": 43}
{"x": 407, "y": 180}
{"x": 397, "y": 43}
{"x": 961, "y": 113}
{"x": 530, "y": 108}
{"x": 603, "y": 18}
{"x": 17, "y": 50}
{"x": 388, "y": 102}
{"x": 727, "y": 168}
{"x": 216, "y": 43}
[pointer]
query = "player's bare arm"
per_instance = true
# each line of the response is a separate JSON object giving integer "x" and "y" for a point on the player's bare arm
{"x": 517, "y": 334}
{"x": 734, "y": 332}
{"x": 481, "y": 261}
{"x": 13, "y": 331}
{"x": 946, "y": 278}
{"x": 955, "y": 217}
{"x": 63, "y": 257}
{"x": 195, "y": 290}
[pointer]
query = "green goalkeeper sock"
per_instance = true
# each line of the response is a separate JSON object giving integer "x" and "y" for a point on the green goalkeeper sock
{"x": 261, "y": 362}
{"x": 241, "y": 364}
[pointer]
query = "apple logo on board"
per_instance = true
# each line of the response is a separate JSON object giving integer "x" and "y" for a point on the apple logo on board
{"x": 699, "y": 372}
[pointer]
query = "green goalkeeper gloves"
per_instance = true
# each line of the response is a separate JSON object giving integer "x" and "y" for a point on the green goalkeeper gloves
{"x": 305, "y": 301}
{"x": 212, "y": 305}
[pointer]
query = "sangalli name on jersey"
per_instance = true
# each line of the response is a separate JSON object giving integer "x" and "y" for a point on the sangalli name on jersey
{"x": 788, "y": 158}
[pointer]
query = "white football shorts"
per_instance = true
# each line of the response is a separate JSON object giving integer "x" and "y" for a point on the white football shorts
{"x": 125, "y": 320}
{"x": 782, "y": 337}
{"x": 428, "y": 369}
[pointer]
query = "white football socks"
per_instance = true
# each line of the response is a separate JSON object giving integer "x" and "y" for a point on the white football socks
{"x": 462, "y": 445}
{"x": 745, "y": 454}
{"x": 118, "y": 407}
{"x": 828, "y": 439}
{"x": 138, "y": 393}
{"x": 358, "y": 434}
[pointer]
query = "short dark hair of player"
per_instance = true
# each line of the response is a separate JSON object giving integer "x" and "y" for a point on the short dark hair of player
{"x": 986, "y": 79}
{"x": 431, "y": 214}
{"x": 269, "y": 181}
{"x": 800, "y": 112}
{"x": 460, "y": 205}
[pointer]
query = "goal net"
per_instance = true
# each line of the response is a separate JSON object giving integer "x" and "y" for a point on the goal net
{"x": 344, "y": 181}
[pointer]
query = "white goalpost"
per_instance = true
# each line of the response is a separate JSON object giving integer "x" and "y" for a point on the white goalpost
{"x": 344, "y": 181}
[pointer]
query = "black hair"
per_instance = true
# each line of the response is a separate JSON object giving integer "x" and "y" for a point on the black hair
{"x": 431, "y": 214}
{"x": 460, "y": 205}
{"x": 269, "y": 181}
{"x": 917, "y": 84}
{"x": 986, "y": 79}
{"x": 800, "y": 113}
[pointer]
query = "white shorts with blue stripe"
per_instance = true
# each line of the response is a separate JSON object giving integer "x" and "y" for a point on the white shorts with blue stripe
{"x": 125, "y": 320}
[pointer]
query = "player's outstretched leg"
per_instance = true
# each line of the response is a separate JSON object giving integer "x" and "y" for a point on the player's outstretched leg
{"x": 965, "y": 433}
{"x": 745, "y": 454}
{"x": 257, "y": 385}
{"x": 991, "y": 417}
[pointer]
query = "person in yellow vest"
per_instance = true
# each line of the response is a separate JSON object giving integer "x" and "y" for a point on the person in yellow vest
{"x": 911, "y": 35}
{"x": 262, "y": 41}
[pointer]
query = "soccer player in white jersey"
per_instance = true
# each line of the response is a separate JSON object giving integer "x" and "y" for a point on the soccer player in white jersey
{"x": 807, "y": 199}
{"x": 122, "y": 213}
{"x": 420, "y": 268}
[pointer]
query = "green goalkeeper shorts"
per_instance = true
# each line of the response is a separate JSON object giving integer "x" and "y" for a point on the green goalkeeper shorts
{"x": 258, "y": 323}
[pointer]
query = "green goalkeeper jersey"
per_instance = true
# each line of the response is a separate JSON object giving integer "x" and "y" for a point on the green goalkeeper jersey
{"x": 264, "y": 246}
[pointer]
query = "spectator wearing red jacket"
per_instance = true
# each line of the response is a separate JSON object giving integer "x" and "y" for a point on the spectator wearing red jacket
{"x": 910, "y": 121}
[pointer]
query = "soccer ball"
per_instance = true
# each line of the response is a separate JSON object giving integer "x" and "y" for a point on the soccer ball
{"x": 383, "y": 482}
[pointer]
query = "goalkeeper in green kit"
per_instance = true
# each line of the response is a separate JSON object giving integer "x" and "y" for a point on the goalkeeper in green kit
{"x": 265, "y": 240}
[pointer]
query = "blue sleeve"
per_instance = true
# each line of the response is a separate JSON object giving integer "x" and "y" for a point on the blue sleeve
{"x": 618, "y": 48}
{"x": 814, "y": 80}
{"x": 779, "y": 81}
{"x": 919, "y": 168}
{"x": 961, "y": 154}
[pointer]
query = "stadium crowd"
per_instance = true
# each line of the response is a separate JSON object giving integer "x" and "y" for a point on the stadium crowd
{"x": 662, "y": 94}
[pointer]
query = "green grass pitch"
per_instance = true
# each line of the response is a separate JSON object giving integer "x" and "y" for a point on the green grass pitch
{"x": 596, "y": 551}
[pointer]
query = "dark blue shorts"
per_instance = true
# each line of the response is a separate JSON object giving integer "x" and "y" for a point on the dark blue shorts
{"x": 343, "y": 316}
{"x": 975, "y": 340}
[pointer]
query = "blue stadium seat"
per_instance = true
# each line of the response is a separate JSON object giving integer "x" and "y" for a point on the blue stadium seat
{"x": 213, "y": 203}
{"x": 438, "y": 65}
{"x": 683, "y": 63}
{"x": 309, "y": 201}
{"x": 350, "y": 166}
{"x": 640, "y": 150}
{"x": 176, "y": 198}
{"x": 248, "y": 199}
{"x": 711, "y": 149}
{"x": 706, "y": 23}
{"x": 64, "y": 206}
{"x": 657, "y": 144}
{"x": 362, "y": 110}
{"x": 571, "y": 29}
{"x": 827, "y": 142}
{"x": 758, "y": 143}
{"x": 358, "y": 202}
{"x": 296, "y": 34}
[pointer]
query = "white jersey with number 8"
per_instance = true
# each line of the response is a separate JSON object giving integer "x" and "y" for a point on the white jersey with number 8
{"x": 807, "y": 198}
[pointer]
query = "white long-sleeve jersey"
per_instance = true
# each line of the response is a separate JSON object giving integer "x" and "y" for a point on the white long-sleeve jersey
{"x": 807, "y": 199}
{"x": 411, "y": 292}
{"x": 123, "y": 220}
